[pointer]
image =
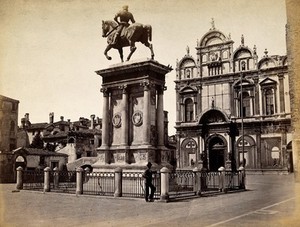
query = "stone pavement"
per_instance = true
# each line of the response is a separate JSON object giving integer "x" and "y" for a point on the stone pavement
{"x": 271, "y": 200}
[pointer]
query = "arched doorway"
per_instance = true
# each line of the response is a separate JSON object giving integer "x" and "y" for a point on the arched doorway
{"x": 216, "y": 153}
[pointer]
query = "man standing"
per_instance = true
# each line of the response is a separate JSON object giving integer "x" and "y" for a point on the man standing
{"x": 124, "y": 17}
{"x": 148, "y": 183}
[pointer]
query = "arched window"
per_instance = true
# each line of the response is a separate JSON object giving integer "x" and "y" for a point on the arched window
{"x": 188, "y": 73}
{"x": 275, "y": 154}
{"x": 245, "y": 108}
{"x": 243, "y": 66}
{"x": 269, "y": 101}
{"x": 189, "y": 110}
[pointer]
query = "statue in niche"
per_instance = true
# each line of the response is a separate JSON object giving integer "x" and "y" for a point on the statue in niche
{"x": 212, "y": 102}
{"x": 122, "y": 34}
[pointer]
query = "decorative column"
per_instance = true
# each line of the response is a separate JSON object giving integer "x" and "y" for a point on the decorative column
{"x": 105, "y": 119}
{"x": 195, "y": 107}
{"x": 160, "y": 115}
{"x": 281, "y": 93}
{"x": 182, "y": 110}
{"x": 146, "y": 113}
{"x": 256, "y": 97}
{"x": 178, "y": 106}
{"x": 124, "y": 137}
{"x": 198, "y": 98}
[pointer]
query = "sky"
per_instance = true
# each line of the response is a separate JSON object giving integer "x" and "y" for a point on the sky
{"x": 50, "y": 50}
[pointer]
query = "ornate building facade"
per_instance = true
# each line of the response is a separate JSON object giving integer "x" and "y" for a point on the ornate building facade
{"x": 232, "y": 108}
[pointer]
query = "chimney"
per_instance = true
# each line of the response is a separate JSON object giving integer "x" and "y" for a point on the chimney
{"x": 81, "y": 119}
{"x": 27, "y": 122}
{"x": 92, "y": 121}
{"x": 51, "y": 117}
{"x": 62, "y": 118}
{"x": 27, "y": 116}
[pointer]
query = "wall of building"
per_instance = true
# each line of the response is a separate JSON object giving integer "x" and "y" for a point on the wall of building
{"x": 8, "y": 124}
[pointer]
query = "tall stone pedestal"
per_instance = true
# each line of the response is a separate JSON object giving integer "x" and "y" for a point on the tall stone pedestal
{"x": 133, "y": 127}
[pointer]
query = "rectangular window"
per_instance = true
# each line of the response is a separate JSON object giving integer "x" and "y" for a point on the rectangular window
{"x": 42, "y": 160}
{"x": 54, "y": 164}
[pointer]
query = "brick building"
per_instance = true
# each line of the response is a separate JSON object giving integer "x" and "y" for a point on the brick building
{"x": 8, "y": 135}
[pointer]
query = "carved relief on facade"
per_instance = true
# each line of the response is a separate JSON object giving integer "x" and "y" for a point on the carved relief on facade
{"x": 117, "y": 120}
{"x": 119, "y": 157}
{"x": 137, "y": 118}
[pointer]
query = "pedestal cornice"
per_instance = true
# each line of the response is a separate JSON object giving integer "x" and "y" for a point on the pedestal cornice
{"x": 126, "y": 69}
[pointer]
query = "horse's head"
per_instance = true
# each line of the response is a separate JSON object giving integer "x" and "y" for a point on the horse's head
{"x": 107, "y": 26}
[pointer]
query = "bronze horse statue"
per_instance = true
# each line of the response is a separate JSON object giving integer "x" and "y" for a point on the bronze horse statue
{"x": 135, "y": 32}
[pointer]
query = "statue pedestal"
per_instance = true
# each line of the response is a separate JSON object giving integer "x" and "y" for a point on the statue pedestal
{"x": 133, "y": 117}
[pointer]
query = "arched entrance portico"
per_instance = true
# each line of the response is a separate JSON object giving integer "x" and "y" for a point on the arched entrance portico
{"x": 217, "y": 151}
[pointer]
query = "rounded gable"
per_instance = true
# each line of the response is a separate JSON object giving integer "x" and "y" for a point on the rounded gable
{"x": 187, "y": 62}
{"x": 266, "y": 62}
{"x": 212, "y": 37}
{"x": 242, "y": 52}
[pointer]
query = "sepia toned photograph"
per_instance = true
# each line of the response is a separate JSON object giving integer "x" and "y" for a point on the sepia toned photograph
{"x": 149, "y": 113}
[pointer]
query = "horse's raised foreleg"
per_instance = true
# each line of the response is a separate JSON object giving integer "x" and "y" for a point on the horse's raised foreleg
{"x": 132, "y": 49}
{"x": 106, "y": 50}
{"x": 121, "y": 53}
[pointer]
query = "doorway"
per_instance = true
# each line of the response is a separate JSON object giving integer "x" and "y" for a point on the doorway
{"x": 216, "y": 151}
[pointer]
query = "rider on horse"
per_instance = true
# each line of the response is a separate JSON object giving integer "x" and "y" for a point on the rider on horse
{"x": 125, "y": 17}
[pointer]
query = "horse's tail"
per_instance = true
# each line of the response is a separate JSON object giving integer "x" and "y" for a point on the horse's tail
{"x": 149, "y": 32}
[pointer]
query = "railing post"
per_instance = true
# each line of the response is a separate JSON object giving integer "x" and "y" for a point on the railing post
{"x": 56, "y": 177}
{"x": 79, "y": 182}
{"x": 197, "y": 181}
{"x": 118, "y": 182}
{"x": 164, "y": 194}
{"x": 47, "y": 179}
{"x": 19, "y": 178}
{"x": 242, "y": 178}
{"x": 222, "y": 180}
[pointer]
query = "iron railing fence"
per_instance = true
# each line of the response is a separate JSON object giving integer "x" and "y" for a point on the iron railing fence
{"x": 99, "y": 183}
{"x": 133, "y": 184}
{"x": 63, "y": 181}
{"x": 232, "y": 180}
{"x": 33, "y": 180}
{"x": 181, "y": 183}
{"x": 210, "y": 181}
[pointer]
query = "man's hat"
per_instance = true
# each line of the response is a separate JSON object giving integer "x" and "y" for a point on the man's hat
{"x": 125, "y": 7}
{"x": 149, "y": 164}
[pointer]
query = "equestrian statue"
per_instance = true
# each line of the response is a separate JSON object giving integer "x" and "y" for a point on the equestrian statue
{"x": 121, "y": 34}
